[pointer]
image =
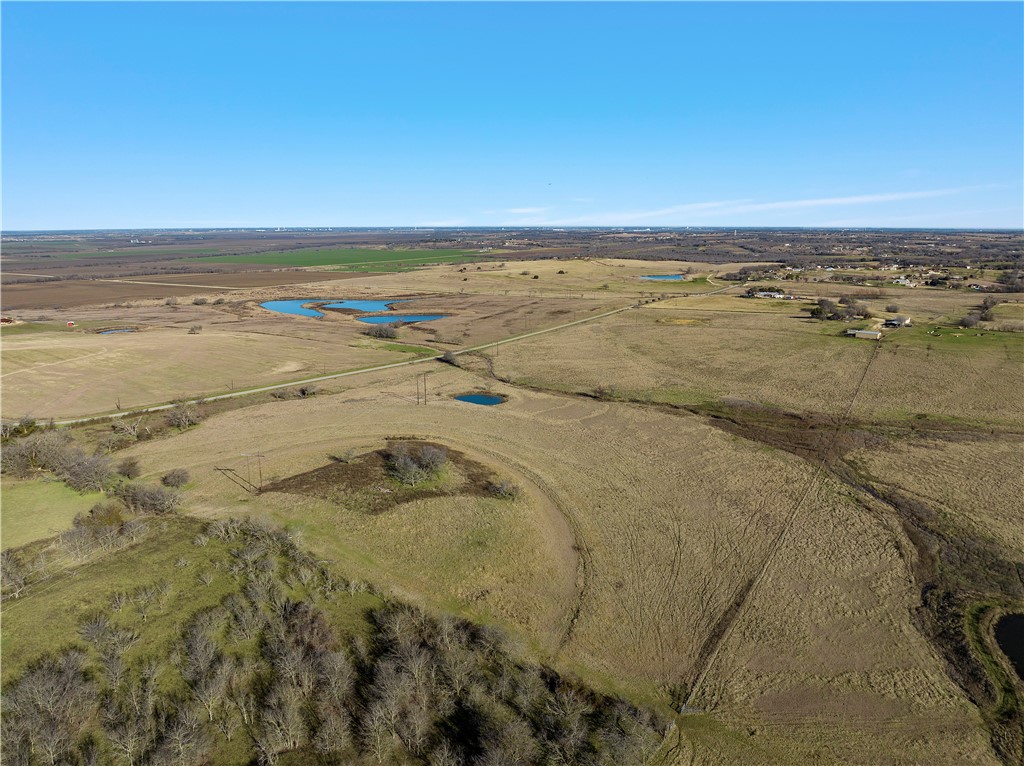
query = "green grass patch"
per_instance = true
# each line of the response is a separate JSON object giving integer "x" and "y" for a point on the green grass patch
{"x": 944, "y": 337}
{"x": 36, "y": 509}
{"x": 28, "y": 328}
{"x": 351, "y": 258}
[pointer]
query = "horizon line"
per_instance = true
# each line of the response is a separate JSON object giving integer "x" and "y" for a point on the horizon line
{"x": 501, "y": 227}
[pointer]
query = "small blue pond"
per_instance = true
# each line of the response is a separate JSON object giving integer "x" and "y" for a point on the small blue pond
{"x": 488, "y": 400}
{"x": 111, "y": 332}
{"x": 292, "y": 307}
{"x": 665, "y": 277}
{"x": 1010, "y": 637}
{"x": 389, "y": 318}
{"x": 362, "y": 305}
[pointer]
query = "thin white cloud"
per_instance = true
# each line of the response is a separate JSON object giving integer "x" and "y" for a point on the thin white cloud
{"x": 696, "y": 212}
{"x": 582, "y": 200}
{"x": 861, "y": 199}
{"x": 640, "y": 216}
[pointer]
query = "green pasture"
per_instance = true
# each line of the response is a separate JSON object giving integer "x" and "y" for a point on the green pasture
{"x": 35, "y": 509}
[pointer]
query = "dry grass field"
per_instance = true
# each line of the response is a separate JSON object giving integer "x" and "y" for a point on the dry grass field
{"x": 53, "y": 371}
{"x": 650, "y": 552}
{"x": 691, "y": 350}
{"x": 636, "y": 531}
{"x": 824, "y": 665}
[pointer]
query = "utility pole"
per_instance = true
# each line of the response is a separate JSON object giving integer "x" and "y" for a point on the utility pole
{"x": 259, "y": 466}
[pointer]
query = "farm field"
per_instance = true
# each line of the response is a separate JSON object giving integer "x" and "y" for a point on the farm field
{"x": 361, "y": 259}
{"x": 70, "y": 294}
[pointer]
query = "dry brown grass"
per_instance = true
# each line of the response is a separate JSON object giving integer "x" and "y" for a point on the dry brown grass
{"x": 669, "y": 516}
{"x": 978, "y": 481}
{"x": 639, "y": 526}
{"x": 690, "y": 350}
{"x": 824, "y": 663}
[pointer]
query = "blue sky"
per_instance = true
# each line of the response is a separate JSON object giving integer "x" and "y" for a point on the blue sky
{"x": 386, "y": 114}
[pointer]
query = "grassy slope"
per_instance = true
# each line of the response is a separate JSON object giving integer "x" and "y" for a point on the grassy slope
{"x": 47, "y": 616}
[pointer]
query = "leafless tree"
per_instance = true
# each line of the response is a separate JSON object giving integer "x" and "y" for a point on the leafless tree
{"x": 14, "y": 574}
{"x": 184, "y": 415}
{"x": 130, "y": 468}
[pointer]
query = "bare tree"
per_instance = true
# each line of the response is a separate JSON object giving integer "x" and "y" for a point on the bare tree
{"x": 184, "y": 415}
{"x": 130, "y": 468}
{"x": 14, "y": 574}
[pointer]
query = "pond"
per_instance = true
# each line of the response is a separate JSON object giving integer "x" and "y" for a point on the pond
{"x": 665, "y": 277}
{"x": 408, "y": 318}
{"x": 292, "y": 307}
{"x": 295, "y": 306}
{"x": 111, "y": 332}
{"x": 1010, "y": 637}
{"x": 362, "y": 305}
{"x": 488, "y": 400}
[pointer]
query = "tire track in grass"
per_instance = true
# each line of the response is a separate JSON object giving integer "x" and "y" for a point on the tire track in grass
{"x": 727, "y": 622}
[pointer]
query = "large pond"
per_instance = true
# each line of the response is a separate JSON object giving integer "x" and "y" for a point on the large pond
{"x": 664, "y": 277}
{"x": 409, "y": 318}
{"x": 1010, "y": 637}
{"x": 111, "y": 332}
{"x": 488, "y": 400}
{"x": 296, "y": 306}
{"x": 362, "y": 305}
{"x": 291, "y": 307}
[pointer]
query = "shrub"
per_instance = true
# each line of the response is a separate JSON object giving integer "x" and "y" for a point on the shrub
{"x": 177, "y": 477}
{"x": 412, "y": 468}
{"x": 892, "y": 308}
{"x": 195, "y": 329}
{"x": 199, "y": 301}
{"x": 172, "y": 301}
{"x": 39, "y": 450}
{"x": 130, "y": 468}
{"x": 147, "y": 498}
{"x": 432, "y": 459}
{"x": 535, "y": 276}
{"x": 504, "y": 489}
{"x": 449, "y": 358}
{"x": 402, "y": 467}
{"x": 382, "y": 330}
{"x": 219, "y": 301}
{"x": 84, "y": 473}
{"x": 184, "y": 414}
{"x": 971, "y": 320}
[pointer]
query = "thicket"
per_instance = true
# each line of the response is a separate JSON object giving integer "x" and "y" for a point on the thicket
{"x": 414, "y": 465}
{"x": 265, "y": 670}
{"x": 56, "y": 452}
{"x": 382, "y": 330}
{"x": 847, "y": 308}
